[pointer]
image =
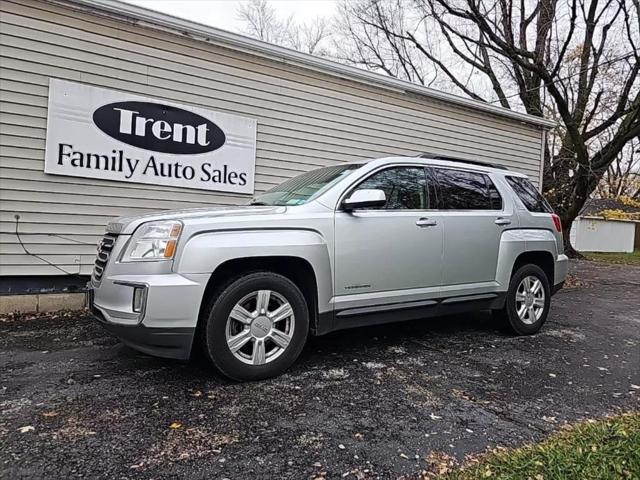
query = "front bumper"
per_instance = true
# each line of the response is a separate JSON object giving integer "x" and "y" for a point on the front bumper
{"x": 166, "y": 324}
{"x": 165, "y": 342}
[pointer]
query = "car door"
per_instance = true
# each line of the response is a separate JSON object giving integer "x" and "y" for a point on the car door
{"x": 390, "y": 254}
{"x": 475, "y": 217}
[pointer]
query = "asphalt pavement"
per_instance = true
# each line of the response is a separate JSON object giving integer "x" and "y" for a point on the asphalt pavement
{"x": 366, "y": 403}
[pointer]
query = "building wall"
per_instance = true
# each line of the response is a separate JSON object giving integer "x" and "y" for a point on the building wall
{"x": 306, "y": 119}
{"x": 597, "y": 235}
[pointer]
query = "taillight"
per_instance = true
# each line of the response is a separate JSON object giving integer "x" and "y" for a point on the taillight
{"x": 557, "y": 222}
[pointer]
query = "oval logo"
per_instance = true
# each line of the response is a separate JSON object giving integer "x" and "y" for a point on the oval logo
{"x": 158, "y": 127}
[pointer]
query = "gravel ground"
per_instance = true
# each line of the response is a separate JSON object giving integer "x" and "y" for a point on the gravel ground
{"x": 366, "y": 403}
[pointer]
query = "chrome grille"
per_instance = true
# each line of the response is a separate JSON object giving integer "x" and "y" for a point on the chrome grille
{"x": 102, "y": 258}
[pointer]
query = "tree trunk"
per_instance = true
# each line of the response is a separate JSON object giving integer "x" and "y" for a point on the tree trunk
{"x": 569, "y": 251}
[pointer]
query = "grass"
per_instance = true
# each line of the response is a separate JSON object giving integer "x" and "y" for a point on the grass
{"x": 600, "y": 450}
{"x": 632, "y": 258}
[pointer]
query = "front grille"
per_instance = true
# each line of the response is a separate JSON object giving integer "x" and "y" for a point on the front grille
{"x": 102, "y": 258}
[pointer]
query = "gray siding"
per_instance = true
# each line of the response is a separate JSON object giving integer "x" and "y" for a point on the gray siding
{"x": 306, "y": 119}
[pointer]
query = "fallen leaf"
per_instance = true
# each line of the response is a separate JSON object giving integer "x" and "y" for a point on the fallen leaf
{"x": 50, "y": 414}
{"x": 175, "y": 425}
{"x": 25, "y": 429}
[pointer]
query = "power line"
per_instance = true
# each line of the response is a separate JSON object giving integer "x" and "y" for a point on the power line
{"x": 35, "y": 255}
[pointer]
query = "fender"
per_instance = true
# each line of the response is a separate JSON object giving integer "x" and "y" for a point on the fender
{"x": 204, "y": 252}
{"x": 517, "y": 241}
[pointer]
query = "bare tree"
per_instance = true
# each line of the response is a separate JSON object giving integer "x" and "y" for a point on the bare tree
{"x": 622, "y": 178}
{"x": 261, "y": 21}
{"x": 369, "y": 30}
{"x": 575, "y": 61}
{"x": 308, "y": 37}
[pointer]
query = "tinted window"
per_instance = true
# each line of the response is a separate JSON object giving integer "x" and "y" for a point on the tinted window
{"x": 533, "y": 201}
{"x": 404, "y": 187}
{"x": 460, "y": 190}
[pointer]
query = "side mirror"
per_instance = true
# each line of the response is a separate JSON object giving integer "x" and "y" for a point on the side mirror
{"x": 366, "y": 198}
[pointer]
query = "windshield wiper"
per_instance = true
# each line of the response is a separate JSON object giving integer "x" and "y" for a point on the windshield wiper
{"x": 257, "y": 202}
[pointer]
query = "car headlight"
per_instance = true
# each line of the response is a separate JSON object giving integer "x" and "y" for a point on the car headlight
{"x": 153, "y": 241}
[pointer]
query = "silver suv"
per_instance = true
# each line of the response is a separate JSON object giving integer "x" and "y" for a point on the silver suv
{"x": 344, "y": 246}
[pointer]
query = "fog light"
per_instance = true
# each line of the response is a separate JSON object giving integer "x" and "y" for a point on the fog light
{"x": 139, "y": 295}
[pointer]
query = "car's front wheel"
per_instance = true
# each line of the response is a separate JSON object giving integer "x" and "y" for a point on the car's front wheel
{"x": 256, "y": 327}
{"x": 528, "y": 300}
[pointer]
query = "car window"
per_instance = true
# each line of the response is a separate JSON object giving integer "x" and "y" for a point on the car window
{"x": 305, "y": 187}
{"x": 531, "y": 198}
{"x": 404, "y": 187}
{"x": 463, "y": 190}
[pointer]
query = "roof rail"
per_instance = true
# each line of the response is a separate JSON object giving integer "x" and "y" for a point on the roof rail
{"x": 436, "y": 156}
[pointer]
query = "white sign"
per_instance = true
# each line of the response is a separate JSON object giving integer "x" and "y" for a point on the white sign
{"x": 98, "y": 133}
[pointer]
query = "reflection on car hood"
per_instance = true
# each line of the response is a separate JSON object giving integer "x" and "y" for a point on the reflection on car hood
{"x": 130, "y": 223}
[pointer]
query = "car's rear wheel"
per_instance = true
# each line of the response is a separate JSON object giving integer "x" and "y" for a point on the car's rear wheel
{"x": 256, "y": 327}
{"x": 528, "y": 300}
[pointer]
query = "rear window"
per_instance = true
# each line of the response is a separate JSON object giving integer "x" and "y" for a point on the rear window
{"x": 462, "y": 190}
{"x": 529, "y": 195}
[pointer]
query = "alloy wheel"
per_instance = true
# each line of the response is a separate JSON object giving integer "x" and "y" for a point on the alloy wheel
{"x": 530, "y": 300}
{"x": 260, "y": 327}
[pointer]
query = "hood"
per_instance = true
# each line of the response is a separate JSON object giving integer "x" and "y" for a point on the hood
{"x": 127, "y": 225}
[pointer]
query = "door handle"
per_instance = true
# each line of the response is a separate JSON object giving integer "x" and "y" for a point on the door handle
{"x": 502, "y": 221}
{"x": 426, "y": 222}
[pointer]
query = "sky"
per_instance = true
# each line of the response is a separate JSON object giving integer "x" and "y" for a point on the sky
{"x": 223, "y": 13}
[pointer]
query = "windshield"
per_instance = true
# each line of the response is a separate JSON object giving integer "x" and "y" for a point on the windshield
{"x": 304, "y": 188}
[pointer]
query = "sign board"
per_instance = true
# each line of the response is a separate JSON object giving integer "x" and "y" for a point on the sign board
{"x": 98, "y": 133}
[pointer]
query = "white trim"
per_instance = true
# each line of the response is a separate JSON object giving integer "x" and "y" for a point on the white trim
{"x": 609, "y": 219}
{"x": 543, "y": 144}
{"x": 137, "y": 15}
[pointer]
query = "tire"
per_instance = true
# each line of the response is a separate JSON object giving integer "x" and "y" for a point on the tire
{"x": 236, "y": 320}
{"x": 518, "y": 297}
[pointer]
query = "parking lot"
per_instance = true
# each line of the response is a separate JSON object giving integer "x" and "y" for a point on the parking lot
{"x": 358, "y": 404}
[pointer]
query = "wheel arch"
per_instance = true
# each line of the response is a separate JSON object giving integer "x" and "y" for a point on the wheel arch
{"x": 521, "y": 246}
{"x": 541, "y": 258}
{"x": 297, "y": 269}
{"x": 299, "y": 254}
